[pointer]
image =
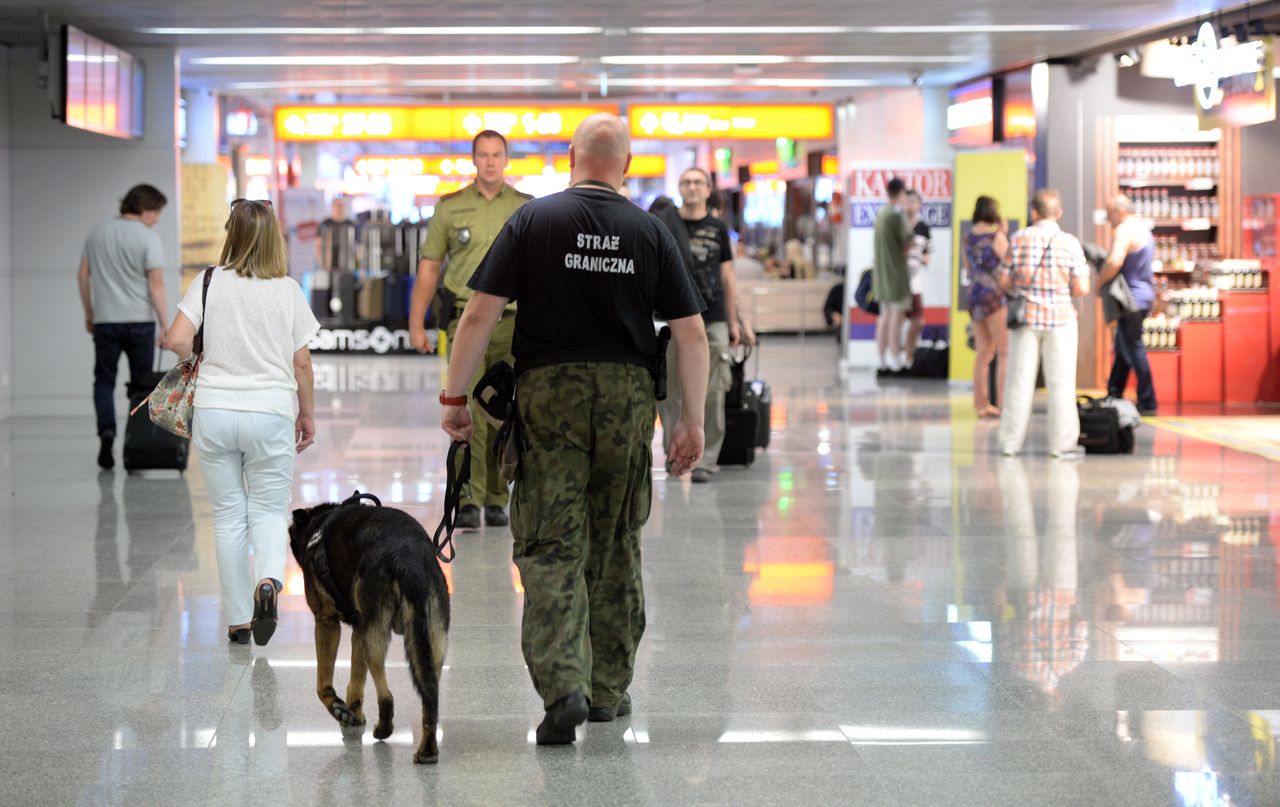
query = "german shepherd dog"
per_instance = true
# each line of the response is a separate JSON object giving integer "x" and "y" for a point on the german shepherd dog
{"x": 383, "y": 564}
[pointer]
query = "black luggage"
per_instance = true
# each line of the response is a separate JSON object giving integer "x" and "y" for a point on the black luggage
{"x": 148, "y": 447}
{"x": 931, "y": 362}
{"x": 741, "y": 417}
{"x": 344, "y": 294}
{"x": 764, "y": 405}
{"x": 741, "y": 426}
{"x": 396, "y": 300}
{"x": 1106, "y": 426}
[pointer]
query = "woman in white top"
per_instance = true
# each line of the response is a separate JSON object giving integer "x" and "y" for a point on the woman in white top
{"x": 255, "y": 408}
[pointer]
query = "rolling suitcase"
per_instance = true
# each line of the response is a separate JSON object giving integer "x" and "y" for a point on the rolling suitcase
{"x": 371, "y": 299}
{"x": 764, "y": 405}
{"x": 741, "y": 428}
{"x": 148, "y": 447}
{"x": 396, "y": 300}
{"x": 342, "y": 305}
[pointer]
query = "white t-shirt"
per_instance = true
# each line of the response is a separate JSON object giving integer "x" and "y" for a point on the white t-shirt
{"x": 254, "y": 328}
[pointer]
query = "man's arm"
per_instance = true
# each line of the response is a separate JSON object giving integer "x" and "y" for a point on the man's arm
{"x": 692, "y": 367}
{"x": 1121, "y": 243}
{"x": 86, "y": 293}
{"x": 739, "y": 328}
{"x": 1080, "y": 272}
{"x": 424, "y": 288}
{"x": 471, "y": 339}
{"x": 155, "y": 289}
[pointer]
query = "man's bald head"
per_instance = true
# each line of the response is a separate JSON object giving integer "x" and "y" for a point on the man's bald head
{"x": 600, "y": 150}
{"x": 1119, "y": 208}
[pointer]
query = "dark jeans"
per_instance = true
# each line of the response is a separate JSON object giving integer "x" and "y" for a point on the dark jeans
{"x": 137, "y": 340}
{"x": 1132, "y": 354}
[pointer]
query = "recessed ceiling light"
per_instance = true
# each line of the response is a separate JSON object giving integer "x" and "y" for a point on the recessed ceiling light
{"x": 730, "y": 30}
{"x": 821, "y": 82}
{"x": 392, "y": 85}
{"x": 740, "y": 29}
{"x": 660, "y": 81}
{"x": 366, "y": 61}
{"x": 885, "y": 59}
{"x": 967, "y": 29}
{"x": 446, "y": 30}
{"x": 668, "y": 59}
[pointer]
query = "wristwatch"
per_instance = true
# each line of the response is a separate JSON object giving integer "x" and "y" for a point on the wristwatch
{"x": 445, "y": 400}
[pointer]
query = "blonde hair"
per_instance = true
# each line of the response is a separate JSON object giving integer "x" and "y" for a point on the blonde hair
{"x": 254, "y": 246}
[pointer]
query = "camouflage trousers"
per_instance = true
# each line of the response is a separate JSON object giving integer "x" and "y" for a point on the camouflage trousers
{"x": 487, "y": 484}
{"x": 582, "y": 496}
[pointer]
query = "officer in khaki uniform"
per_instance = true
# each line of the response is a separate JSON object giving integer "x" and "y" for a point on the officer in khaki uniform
{"x": 589, "y": 269}
{"x": 463, "y": 228}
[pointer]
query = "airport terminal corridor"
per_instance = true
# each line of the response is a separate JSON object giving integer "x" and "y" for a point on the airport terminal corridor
{"x": 880, "y": 611}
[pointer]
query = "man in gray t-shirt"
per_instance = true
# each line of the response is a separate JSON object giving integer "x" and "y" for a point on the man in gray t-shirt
{"x": 122, "y": 291}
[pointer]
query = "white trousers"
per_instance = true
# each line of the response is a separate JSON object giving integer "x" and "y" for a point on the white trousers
{"x": 1058, "y": 350}
{"x": 247, "y": 459}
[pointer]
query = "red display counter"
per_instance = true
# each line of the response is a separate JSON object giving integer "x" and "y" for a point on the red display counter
{"x": 1201, "y": 371}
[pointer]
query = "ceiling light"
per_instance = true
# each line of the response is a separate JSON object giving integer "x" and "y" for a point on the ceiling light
{"x": 449, "y": 30}
{"x": 740, "y": 29}
{"x": 477, "y": 30}
{"x": 966, "y": 29}
{"x": 671, "y": 82}
{"x": 703, "y": 59}
{"x": 819, "y": 82}
{"x": 393, "y": 84}
{"x": 881, "y": 59}
{"x": 366, "y": 61}
{"x": 856, "y": 29}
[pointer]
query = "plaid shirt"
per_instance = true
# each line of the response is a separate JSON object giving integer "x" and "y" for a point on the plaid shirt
{"x": 1042, "y": 260}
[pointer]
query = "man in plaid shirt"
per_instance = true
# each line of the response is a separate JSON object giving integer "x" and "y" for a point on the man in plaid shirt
{"x": 1048, "y": 267}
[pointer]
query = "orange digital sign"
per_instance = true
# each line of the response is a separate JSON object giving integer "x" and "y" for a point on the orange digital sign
{"x": 759, "y": 122}
{"x": 422, "y": 165}
{"x": 358, "y": 123}
{"x": 643, "y": 166}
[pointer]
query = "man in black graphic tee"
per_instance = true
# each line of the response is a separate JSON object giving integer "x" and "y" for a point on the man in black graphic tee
{"x": 712, "y": 273}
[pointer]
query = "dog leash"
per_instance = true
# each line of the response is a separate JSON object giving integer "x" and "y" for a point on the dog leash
{"x": 458, "y": 477}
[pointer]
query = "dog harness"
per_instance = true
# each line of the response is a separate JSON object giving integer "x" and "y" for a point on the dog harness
{"x": 319, "y": 557}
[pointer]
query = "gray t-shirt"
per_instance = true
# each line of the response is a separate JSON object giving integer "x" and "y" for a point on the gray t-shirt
{"x": 120, "y": 251}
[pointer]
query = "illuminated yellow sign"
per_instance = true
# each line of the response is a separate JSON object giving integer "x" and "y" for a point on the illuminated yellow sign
{"x": 314, "y": 123}
{"x": 768, "y": 122}
{"x": 417, "y": 165}
{"x": 642, "y": 165}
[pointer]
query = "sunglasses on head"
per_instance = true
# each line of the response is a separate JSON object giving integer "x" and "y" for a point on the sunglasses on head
{"x": 235, "y": 202}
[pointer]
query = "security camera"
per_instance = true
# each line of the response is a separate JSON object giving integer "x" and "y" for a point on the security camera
{"x": 917, "y": 79}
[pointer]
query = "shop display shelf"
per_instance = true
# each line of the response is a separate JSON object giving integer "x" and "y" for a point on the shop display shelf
{"x": 1186, "y": 183}
{"x": 1189, "y": 225}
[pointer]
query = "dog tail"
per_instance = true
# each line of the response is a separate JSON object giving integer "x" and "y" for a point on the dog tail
{"x": 425, "y": 638}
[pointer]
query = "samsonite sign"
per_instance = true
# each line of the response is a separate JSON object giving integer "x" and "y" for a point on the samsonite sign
{"x": 868, "y": 192}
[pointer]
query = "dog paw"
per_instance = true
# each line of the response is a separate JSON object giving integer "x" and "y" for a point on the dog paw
{"x": 383, "y": 730}
{"x": 421, "y": 758}
{"x": 344, "y": 715}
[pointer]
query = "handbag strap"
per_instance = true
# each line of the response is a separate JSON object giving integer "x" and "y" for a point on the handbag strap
{"x": 197, "y": 344}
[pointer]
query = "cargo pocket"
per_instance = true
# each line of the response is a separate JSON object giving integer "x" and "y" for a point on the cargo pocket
{"x": 641, "y": 492}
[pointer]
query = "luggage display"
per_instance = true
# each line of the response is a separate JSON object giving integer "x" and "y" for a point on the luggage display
{"x": 396, "y": 300}
{"x": 319, "y": 284}
{"x": 371, "y": 298}
{"x": 147, "y": 446}
{"x": 342, "y": 304}
{"x": 1106, "y": 426}
{"x": 741, "y": 427}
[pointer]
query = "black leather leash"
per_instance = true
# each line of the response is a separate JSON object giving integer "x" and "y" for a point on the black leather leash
{"x": 320, "y": 557}
{"x": 458, "y": 477}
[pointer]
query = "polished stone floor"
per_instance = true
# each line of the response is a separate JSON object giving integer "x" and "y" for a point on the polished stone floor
{"x": 881, "y": 611}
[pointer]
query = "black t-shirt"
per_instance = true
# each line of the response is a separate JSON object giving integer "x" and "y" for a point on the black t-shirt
{"x": 589, "y": 270}
{"x": 709, "y": 240}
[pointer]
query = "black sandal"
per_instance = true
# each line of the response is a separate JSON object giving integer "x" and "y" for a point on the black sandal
{"x": 264, "y": 614}
{"x": 237, "y": 635}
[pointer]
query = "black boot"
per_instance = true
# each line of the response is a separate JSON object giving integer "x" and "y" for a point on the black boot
{"x": 565, "y": 715}
{"x": 105, "y": 461}
{"x": 468, "y": 518}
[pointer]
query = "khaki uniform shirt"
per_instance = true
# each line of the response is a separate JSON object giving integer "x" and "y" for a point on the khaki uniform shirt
{"x": 463, "y": 228}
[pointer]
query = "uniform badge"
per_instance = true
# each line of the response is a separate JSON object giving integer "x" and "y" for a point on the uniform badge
{"x": 464, "y": 235}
